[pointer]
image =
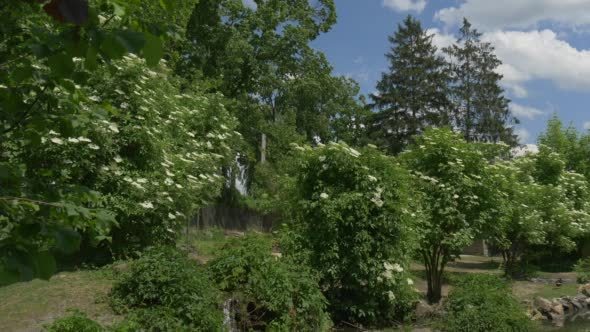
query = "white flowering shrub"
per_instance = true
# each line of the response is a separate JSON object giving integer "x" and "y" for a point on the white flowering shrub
{"x": 150, "y": 153}
{"x": 351, "y": 214}
{"x": 451, "y": 175}
{"x": 542, "y": 208}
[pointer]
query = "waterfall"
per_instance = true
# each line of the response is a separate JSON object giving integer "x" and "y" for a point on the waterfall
{"x": 240, "y": 180}
{"x": 229, "y": 315}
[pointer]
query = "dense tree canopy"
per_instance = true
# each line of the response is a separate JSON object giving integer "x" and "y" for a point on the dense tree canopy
{"x": 413, "y": 94}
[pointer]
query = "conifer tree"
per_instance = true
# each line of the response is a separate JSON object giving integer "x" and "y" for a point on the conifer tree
{"x": 480, "y": 109}
{"x": 413, "y": 94}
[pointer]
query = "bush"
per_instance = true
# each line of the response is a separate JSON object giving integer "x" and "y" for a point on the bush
{"x": 77, "y": 321}
{"x": 482, "y": 302}
{"x": 273, "y": 294}
{"x": 164, "y": 288}
{"x": 351, "y": 224}
{"x": 582, "y": 269}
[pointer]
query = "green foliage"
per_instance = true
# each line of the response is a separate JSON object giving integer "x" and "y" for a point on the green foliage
{"x": 413, "y": 94}
{"x": 541, "y": 209}
{"x": 582, "y": 269}
{"x": 283, "y": 90}
{"x": 77, "y": 321}
{"x": 83, "y": 130}
{"x": 482, "y": 302}
{"x": 350, "y": 224}
{"x": 451, "y": 176}
{"x": 273, "y": 294}
{"x": 480, "y": 109}
{"x": 165, "y": 289}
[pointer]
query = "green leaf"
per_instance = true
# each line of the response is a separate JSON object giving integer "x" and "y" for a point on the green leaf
{"x": 61, "y": 65}
{"x": 133, "y": 41}
{"x": 112, "y": 48}
{"x": 22, "y": 73}
{"x": 45, "y": 265}
{"x": 67, "y": 240}
{"x": 91, "y": 62}
{"x": 8, "y": 276}
{"x": 153, "y": 50}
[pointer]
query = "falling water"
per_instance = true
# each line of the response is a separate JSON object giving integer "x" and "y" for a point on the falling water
{"x": 229, "y": 315}
{"x": 241, "y": 178}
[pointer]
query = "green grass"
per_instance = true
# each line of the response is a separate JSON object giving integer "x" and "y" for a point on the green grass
{"x": 27, "y": 306}
{"x": 551, "y": 291}
{"x": 206, "y": 244}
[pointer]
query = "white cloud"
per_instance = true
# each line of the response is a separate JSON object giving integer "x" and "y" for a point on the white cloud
{"x": 405, "y": 5}
{"x": 540, "y": 55}
{"x": 518, "y": 14}
{"x": 440, "y": 39}
{"x": 534, "y": 55}
{"x": 523, "y": 135}
{"x": 521, "y": 111}
{"x": 586, "y": 125}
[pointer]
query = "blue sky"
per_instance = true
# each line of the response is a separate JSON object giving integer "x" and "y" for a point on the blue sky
{"x": 544, "y": 44}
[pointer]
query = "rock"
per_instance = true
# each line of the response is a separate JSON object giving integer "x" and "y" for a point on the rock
{"x": 578, "y": 305}
{"x": 543, "y": 304}
{"x": 557, "y": 309}
{"x": 424, "y": 310}
{"x": 584, "y": 289}
{"x": 537, "y": 315}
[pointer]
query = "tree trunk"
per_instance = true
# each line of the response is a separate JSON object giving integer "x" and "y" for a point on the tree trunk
{"x": 263, "y": 148}
{"x": 435, "y": 264}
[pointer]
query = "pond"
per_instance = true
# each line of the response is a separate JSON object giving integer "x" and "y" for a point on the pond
{"x": 577, "y": 323}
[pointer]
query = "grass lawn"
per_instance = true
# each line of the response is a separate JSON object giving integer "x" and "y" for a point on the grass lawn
{"x": 206, "y": 244}
{"x": 27, "y": 306}
{"x": 522, "y": 289}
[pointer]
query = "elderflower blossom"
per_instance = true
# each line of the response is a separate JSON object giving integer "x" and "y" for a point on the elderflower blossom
{"x": 113, "y": 127}
{"x": 171, "y": 216}
{"x": 390, "y": 296}
{"x": 324, "y": 196}
{"x": 147, "y": 205}
{"x": 137, "y": 185}
{"x": 118, "y": 159}
{"x": 93, "y": 146}
{"x": 84, "y": 139}
{"x": 57, "y": 141}
{"x": 73, "y": 140}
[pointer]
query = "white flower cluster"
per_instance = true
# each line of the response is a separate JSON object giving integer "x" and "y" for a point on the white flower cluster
{"x": 390, "y": 269}
{"x": 377, "y": 197}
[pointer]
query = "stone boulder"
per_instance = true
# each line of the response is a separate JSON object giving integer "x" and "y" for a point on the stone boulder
{"x": 558, "y": 309}
{"x": 584, "y": 289}
{"x": 543, "y": 304}
{"x": 424, "y": 310}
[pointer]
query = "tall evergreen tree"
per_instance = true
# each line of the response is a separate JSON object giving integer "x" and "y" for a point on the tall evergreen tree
{"x": 480, "y": 109}
{"x": 413, "y": 94}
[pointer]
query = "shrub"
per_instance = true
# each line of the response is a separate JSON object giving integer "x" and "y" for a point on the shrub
{"x": 482, "y": 302}
{"x": 165, "y": 288}
{"x": 582, "y": 269}
{"x": 273, "y": 294}
{"x": 351, "y": 217}
{"x": 77, "y": 321}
